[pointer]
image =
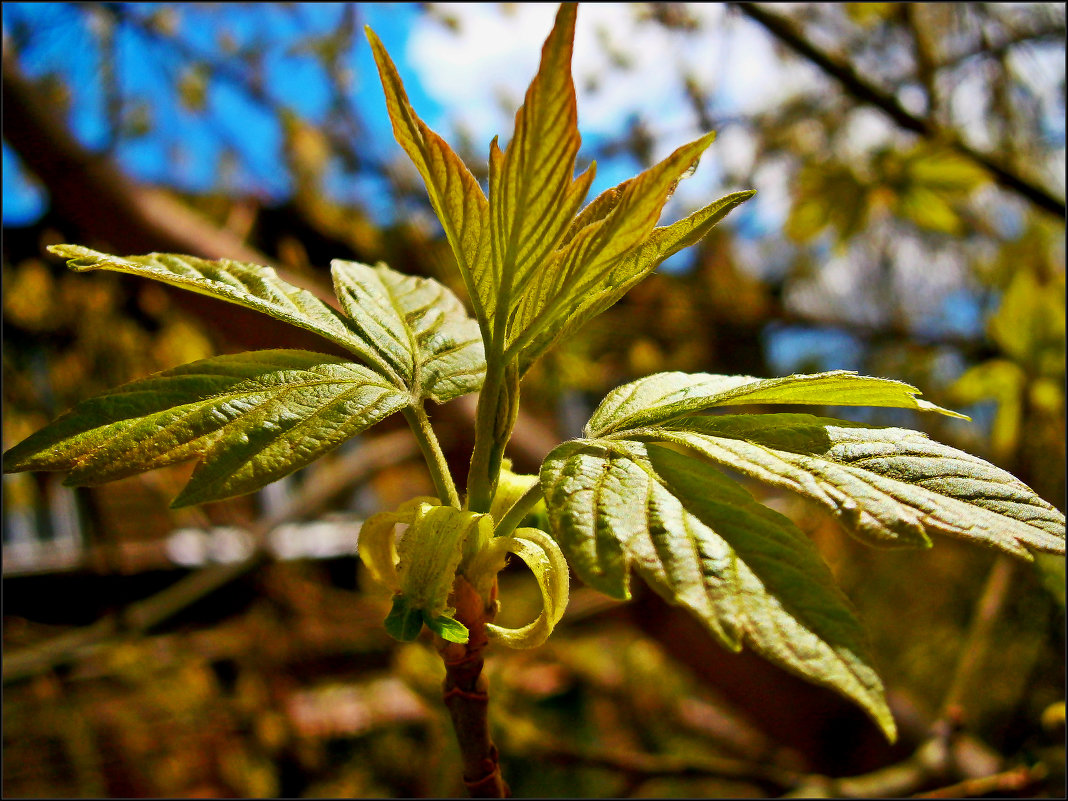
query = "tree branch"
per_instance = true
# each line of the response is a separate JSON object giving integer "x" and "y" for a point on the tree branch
{"x": 466, "y": 695}
{"x": 786, "y": 32}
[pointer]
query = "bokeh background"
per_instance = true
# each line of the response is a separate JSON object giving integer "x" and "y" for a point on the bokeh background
{"x": 909, "y": 223}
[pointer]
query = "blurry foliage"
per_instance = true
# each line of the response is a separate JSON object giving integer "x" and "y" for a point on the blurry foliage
{"x": 288, "y": 695}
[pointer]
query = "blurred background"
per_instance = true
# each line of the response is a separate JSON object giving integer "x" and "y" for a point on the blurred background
{"x": 909, "y": 223}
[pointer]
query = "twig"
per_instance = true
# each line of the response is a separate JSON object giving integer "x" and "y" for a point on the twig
{"x": 977, "y": 641}
{"x": 645, "y": 765}
{"x": 1016, "y": 780}
{"x": 786, "y": 32}
{"x": 466, "y": 695}
{"x": 139, "y": 617}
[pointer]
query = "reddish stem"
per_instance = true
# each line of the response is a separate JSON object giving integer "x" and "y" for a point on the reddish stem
{"x": 466, "y": 696}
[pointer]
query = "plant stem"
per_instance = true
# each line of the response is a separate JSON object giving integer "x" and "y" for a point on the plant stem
{"x": 497, "y": 408}
{"x": 478, "y": 478}
{"x": 520, "y": 509}
{"x": 466, "y": 696}
{"x": 432, "y": 454}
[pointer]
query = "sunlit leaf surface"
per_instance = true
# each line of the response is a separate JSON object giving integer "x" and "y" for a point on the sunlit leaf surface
{"x": 249, "y": 419}
{"x": 701, "y": 541}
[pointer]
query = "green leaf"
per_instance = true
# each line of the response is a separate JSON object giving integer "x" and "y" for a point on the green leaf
{"x": 702, "y": 542}
{"x": 250, "y": 285}
{"x": 416, "y": 325}
{"x": 249, "y": 418}
{"x": 403, "y": 623}
{"x": 447, "y": 628}
{"x": 532, "y": 195}
{"x": 662, "y": 397}
{"x": 888, "y": 486}
{"x": 454, "y": 193}
{"x": 632, "y": 267}
{"x": 578, "y": 268}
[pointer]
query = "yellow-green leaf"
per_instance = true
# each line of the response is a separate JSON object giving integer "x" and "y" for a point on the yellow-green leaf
{"x": 454, "y": 193}
{"x": 702, "y": 542}
{"x": 248, "y": 418}
{"x": 251, "y": 285}
{"x": 888, "y": 486}
{"x": 532, "y": 193}
{"x": 583, "y": 264}
{"x": 632, "y": 267}
{"x": 661, "y": 397}
{"x": 416, "y": 325}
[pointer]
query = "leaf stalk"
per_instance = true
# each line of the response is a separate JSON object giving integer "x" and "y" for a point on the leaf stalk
{"x": 520, "y": 509}
{"x": 432, "y": 454}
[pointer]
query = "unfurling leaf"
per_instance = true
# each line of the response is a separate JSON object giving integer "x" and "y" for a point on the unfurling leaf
{"x": 580, "y": 267}
{"x": 438, "y": 542}
{"x": 663, "y": 397}
{"x": 416, "y": 325}
{"x": 542, "y": 555}
{"x": 532, "y": 195}
{"x": 249, "y": 419}
{"x": 697, "y": 538}
{"x": 377, "y": 545}
{"x": 535, "y": 271}
{"x": 432, "y": 549}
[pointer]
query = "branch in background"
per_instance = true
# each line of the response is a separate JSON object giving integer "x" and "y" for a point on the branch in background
{"x": 786, "y": 32}
{"x": 1020, "y": 782}
{"x": 138, "y": 618}
{"x": 977, "y": 643}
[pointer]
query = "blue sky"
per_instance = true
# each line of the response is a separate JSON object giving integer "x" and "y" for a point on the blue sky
{"x": 442, "y": 69}
{"x": 293, "y": 80}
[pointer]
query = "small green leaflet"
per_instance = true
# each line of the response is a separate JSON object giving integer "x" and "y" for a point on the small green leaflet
{"x": 249, "y": 419}
{"x": 428, "y": 352}
{"x": 404, "y": 623}
{"x": 887, "y": 486}
{"x": 416, "y": 325}
{"x": 748, "y": 573}
{"x": 662, "y": 397}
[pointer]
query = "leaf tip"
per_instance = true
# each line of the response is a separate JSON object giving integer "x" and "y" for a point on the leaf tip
{"x": 372, "y": 37}
{"x": 927, "y": 406}
{"x": 71, "y": 252}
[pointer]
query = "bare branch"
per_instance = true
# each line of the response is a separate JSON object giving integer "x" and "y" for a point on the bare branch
{"x": 786, "y": 32}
